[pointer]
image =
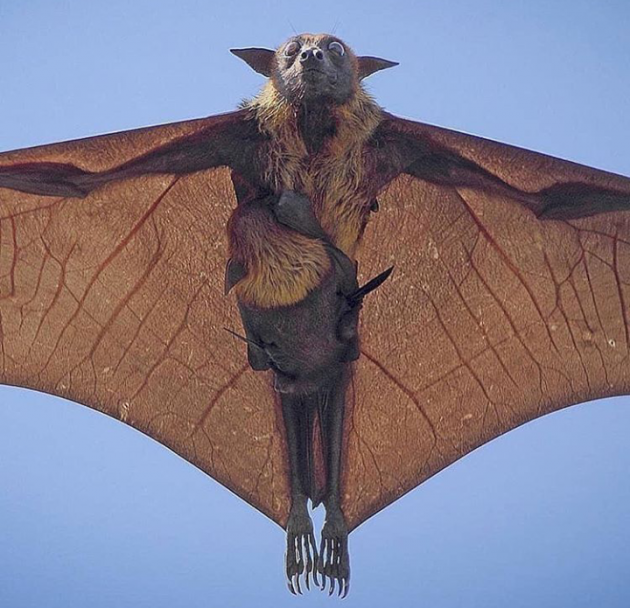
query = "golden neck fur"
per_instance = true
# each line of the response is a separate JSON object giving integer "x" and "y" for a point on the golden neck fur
{"x": 333, "y": 176}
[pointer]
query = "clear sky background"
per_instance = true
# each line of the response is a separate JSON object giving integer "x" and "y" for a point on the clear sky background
{"x": 92, "y": 513}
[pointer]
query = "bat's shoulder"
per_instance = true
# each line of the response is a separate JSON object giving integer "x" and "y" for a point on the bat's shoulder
{"x": 393, "y": 141}
{"x": 395, "y": 128}
{"x": 239, "y": 137}
{"x": 394, "y": 132}
{"x": 235, "y": 124}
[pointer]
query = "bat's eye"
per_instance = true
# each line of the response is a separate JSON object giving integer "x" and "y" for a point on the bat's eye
{"x": 292, "y": 49}
{"x": 337, "y": 48}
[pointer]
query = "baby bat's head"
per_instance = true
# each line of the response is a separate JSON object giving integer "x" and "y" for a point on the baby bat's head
{"x": 313, "y": 68}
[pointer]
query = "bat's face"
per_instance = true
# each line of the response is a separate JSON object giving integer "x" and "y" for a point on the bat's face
{"x": 315, "y": 68}
{"x": 314, "y": 359}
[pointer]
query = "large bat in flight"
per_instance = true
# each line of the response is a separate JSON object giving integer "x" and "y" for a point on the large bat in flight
{"x": 123, "y": 259}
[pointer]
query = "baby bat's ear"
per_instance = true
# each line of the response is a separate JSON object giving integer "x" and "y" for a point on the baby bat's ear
{"x": 369, "y": 65}
{"x": 260, "y": 60}
{"x": 234, "y": 272}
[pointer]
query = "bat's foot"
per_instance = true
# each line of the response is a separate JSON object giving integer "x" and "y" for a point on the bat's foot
{"x": 334, "y": 560}
{"x": 301, "y": 555}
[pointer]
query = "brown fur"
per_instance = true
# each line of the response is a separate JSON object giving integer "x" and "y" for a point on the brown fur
{"x": 283, "y": 266}
{"x": 333, "y": 177}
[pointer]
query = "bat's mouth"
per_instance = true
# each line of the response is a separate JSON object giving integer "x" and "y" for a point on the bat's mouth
{"x": 316, "y": 76}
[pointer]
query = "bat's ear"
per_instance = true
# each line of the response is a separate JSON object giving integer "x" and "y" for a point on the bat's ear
{"x": 369, "y": 65}
{"x": 260, "y": 60}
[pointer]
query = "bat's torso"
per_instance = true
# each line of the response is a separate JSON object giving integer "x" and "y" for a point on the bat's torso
{"x": 340, "y": 173}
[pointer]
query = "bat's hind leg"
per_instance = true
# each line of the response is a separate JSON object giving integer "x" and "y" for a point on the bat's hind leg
{"x": 334, "y": 560}
{"x": 301, "y": 555}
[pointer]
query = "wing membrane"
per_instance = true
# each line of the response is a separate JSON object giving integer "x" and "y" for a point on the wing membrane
{"x": 492, "y": 318}
{"x": 116, "y": 301}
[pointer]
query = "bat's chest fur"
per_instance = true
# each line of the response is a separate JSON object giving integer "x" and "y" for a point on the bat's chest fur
{"x": 334, "y": 176}
{"x": 334, "y": 184}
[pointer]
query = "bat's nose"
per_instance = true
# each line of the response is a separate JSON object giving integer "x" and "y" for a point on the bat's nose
{"x": 311, "y": 55}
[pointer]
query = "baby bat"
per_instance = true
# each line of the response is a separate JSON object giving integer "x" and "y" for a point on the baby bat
{"x": 512, "y": 302}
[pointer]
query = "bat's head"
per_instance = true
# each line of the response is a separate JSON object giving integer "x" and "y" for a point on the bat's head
{"x": 312, "y": 363}
{"x": 313, "y": 68}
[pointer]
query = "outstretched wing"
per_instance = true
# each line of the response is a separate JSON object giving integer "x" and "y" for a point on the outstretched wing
{"x": 492, "y": 317}
{"x": 116, "y": 300}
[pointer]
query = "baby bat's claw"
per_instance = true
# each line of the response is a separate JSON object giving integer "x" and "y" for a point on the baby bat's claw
{"x": 356, "y": 298}
{"x": 334, "y": 560}
{"x": 301, "y": 556}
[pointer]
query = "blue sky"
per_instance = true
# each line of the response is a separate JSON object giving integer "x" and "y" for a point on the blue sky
{"x": 94, "y": 513}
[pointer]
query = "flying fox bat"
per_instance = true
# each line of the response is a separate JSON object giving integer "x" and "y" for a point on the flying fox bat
{"x": 509, "y": 299}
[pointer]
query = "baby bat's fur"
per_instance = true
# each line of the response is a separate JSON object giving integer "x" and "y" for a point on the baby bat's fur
{"x": 282, "y": 266}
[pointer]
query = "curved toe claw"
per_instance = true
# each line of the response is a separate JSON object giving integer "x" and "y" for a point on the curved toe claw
{"x": 334, "y": 560}
{"x": 301, "y": 554}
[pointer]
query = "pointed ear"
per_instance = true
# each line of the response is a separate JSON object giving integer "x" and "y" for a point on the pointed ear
{"x": 369, "y": 65}
{"x": 260, "y": 60}
{"x": 234, "y": 272}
